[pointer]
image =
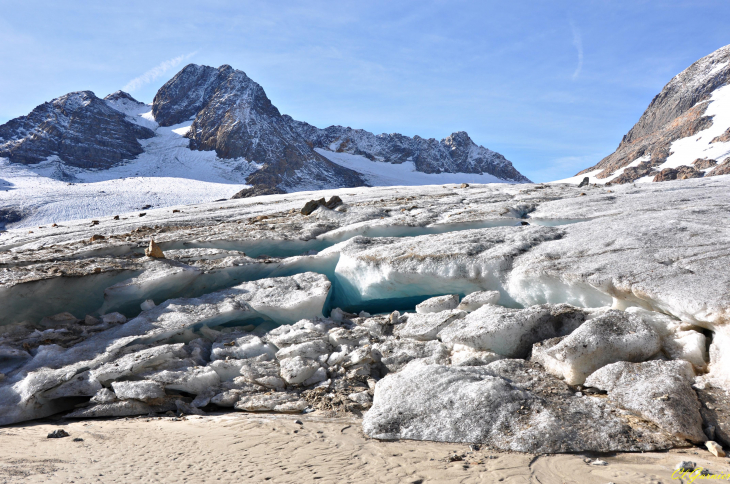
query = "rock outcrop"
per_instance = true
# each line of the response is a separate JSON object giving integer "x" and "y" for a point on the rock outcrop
{"x": 680, "y": 173}
{"x": 79, "y": 129}
{"x": 721, "y": 169}
{"x": 678, "y": 111}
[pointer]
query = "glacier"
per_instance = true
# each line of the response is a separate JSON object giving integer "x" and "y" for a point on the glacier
{"x": 553, "y": 306}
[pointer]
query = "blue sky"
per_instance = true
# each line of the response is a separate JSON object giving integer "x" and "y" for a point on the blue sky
{"x": 552, "y": 85}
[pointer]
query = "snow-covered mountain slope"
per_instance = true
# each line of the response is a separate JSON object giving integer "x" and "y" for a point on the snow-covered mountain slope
{"x": 166, "y": 173}
{"x": 684, "y": 133}
{"x": 379, "y": 174}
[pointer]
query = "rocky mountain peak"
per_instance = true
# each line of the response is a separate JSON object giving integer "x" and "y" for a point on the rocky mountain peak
{"x": 458, "y": 138}
{"x": 78, "y": 128}
{"x": 74, "y": 101}
{"x": 183, "y": 96}
{"x": 122, "y": 96}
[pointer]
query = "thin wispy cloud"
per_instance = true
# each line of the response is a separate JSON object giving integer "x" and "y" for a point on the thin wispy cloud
{"x": 578, "y": 43}
{"x": 156, "y": 72}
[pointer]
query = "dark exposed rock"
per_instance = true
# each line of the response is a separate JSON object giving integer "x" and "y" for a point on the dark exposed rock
{"x": 584, "y": 182}
{"x": 633, "y": 173}
{"x": 333, "y": 202}
{"x": 313, "y": 205}
{"x": 185, "y": 94}
{"x": 715, "y": 412}
{"x": 57, "y": 434}
{"x": 121, "y": 95}
{"x": 686, "y": 172}
{"x": 680, "y": 173}
{"x": 79, "y": 128}
{"x": 676, "y": 112}
{"x": 9, "y": 216}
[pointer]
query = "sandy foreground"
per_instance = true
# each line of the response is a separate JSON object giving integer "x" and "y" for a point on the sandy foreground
{"x": 240, "y": 447}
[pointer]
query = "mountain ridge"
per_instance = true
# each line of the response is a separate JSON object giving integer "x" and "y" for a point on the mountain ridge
{"x": 230, "y": 114}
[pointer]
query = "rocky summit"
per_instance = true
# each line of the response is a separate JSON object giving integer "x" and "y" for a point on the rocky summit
{"x": 684, "y": 133}
{"x": 233, "y": 116}
{"x": 78, "y": 129}
{"x": 527, "y": 318}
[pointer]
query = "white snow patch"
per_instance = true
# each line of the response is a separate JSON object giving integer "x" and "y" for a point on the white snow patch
{"x": 381, "y": 174}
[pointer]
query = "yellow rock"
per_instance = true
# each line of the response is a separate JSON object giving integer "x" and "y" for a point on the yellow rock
{"x": 154, "y": 251}
{"x": 715, "y": 448}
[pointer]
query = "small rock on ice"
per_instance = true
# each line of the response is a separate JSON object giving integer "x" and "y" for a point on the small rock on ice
{"x": 437, "y": 304}
{"x": 154, "y": 251}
